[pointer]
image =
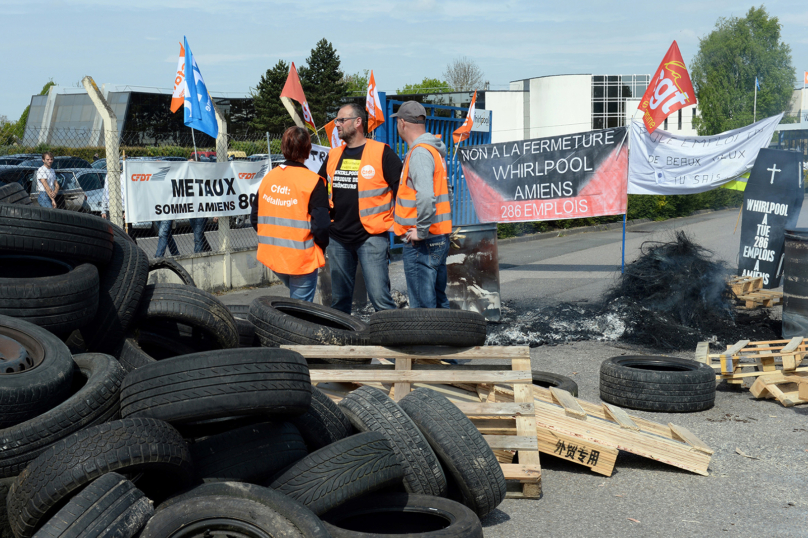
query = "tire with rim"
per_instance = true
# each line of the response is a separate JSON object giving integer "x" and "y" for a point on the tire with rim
{"x": 147, "y": 446}
{"x": 657, "y": 383}
{"x": 50, "y": 293}
{"x": 323, "y": 423}
{"x": 173, "y": 266}
{"x": 110, "y": 506}
{"x": 281, "y": 321}
{"x": 345, "y": 470}
{"x": 121, "y": 286}
{"x": 36, "y": 371}
{"x": 39, "y": 231}
{"x": 14, "y": 193}
{"x": 549, "y": 379}
{"x": 427, "y": 326}
{"x": 411, "y": 516}
{"x": 226, "y": 383}
{"x": 179, "y": 303}
{"x": 369, "y": 409}
{"x": 461, "y": 448}
{"x": 96, "y": 401}
{"x": 248, "y": 454}
{"x": 239, "y": 508}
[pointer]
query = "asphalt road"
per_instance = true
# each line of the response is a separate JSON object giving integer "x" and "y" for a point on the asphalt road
{"x": 762, "y": 495}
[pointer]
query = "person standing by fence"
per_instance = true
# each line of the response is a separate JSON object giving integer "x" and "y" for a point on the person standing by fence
{"x": 423, "y": 210}
{"x": 291, "y": 217}
{"x": 363, "y": 175}
{"x": 46, "y": 184}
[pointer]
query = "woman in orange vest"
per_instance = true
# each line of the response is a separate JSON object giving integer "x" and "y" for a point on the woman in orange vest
{"x": 291, "y": 217}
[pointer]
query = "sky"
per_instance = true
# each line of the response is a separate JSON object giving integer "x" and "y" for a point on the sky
{"x": 235, "y": 42}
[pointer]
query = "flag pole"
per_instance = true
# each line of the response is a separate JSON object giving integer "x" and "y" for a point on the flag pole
{"x": 193, "y": 137}
{"x": 754, "y": 114}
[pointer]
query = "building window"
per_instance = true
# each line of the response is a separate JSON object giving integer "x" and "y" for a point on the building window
{"x": 609, "y": 94}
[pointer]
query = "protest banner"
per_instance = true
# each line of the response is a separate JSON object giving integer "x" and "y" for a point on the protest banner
{"x": 772, "y": 202}
{"x": 167, "y": 190}
{"x": 666, "y": 163}
{"x": 561, "y": 177}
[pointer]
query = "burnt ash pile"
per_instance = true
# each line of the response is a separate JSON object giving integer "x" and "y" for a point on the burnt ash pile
{"x": 672, "y": 297}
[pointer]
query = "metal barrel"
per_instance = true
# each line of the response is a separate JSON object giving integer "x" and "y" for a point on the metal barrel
{"x": 795, "y": 284}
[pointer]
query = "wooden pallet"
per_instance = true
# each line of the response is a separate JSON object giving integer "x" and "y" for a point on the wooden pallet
{"x": 789, "y": 390}
{"x": 407, "y": 373}
{"x": 764, "y": 298}
{"x": 591, "y": 434}
{"x": 748, "y": 359}
{"x": 742, "y": 285}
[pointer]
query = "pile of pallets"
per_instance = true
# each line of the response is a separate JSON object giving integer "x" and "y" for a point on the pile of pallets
{"x": 749, "y": 290}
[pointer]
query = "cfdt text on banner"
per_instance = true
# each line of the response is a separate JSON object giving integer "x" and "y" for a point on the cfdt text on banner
{"x": 561, "y": 177}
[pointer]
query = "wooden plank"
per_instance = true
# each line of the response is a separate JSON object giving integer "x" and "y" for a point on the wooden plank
{"x": 526, "y": 425}
{"x": 736, "y": 348}
{"x": 598, "y": 458}
{"x": 453, "y": 393}
{"x": 419, "y": 376}
{"x": 402, "y": 389}
{"x": 702, "y": 352}
{"x": 512, "y": 442}
{"x": 793, "y": 344}
{"x": 521, "y": 472}
{"x": 568, "y": 402}
{"x": 759, "y": 389}
{"x": 753, "y": 374}
{"x": 802, "y": 392}
{"x": 412, "y": 352}
{"x": 686, "y": 436}
{"x": 496, "y": 409}
{"x": 789, "y": 362}
{"x": 620, "y": 416}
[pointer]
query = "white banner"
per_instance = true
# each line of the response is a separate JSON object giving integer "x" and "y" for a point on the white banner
{"x": 665, "y": 163}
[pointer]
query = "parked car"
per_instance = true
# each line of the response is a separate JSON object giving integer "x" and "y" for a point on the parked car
{"x": 59, "y": 162}
{"x": 71, "y": 196}
{"x": 92, "y": 183}
{"x": 18, "y": 158}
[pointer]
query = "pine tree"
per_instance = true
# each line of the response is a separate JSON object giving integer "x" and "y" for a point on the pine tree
{"x": 270, "y": 114}
{"x": 323, "y": 82}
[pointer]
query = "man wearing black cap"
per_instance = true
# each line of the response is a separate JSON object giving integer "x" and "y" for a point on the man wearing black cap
{"x": 423, "y": 214}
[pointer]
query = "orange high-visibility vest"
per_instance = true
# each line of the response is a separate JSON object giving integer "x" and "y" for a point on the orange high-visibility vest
{"x": 285, "y": 242}
{"x": 375, "y": 195}
{"x": 406, "y": 212}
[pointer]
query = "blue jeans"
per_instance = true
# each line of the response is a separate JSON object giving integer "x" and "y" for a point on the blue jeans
{"x": 373, "y": 254}
{"x": 166, "y": 239}
{"x": 44, "y": 200}
{"x": 425, "y": 271}
{"x": 300, "y": 286}
{"x": 200, "y": 241}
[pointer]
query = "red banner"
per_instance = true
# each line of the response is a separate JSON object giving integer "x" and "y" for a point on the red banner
{"x": 670, "y": 89}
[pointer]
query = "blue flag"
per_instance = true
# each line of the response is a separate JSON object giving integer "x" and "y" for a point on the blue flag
{"x": 199, "y": 113}
{"x": 757, "y": 84}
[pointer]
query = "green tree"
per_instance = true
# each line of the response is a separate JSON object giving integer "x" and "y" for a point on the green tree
{"x": 323, "y": 82}
{"x": 724, "y": 71}
{"x": 428, "y": 85}
{"x": 270, "y": 114}
{"x": 356, "y": 85}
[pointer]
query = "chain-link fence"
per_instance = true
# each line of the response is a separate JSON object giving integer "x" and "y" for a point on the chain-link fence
{"x": 89, "y": 180}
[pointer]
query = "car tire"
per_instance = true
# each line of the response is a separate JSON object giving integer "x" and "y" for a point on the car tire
{"x": 222, "y": 383}
{"x": 248, "y": 454}
{"x": 281, "y": 321}
{"x": 37, "y": 371}
{"x": 132, "y": 356}
{"x": 549, "y": 379}
{"x": 173, "y": 266}
{"x": 179, "y": 303}
{"x": 657, "y": 383}
{"x": 461, "y": 448}
{"x": 14, "y": 193}
{"x": 427, "y": 326}
{"x": 342, "y": 471}
{"x": 68, "y": 235}
{"x": 47, "y": 292}
{"x": 410, "y": 516}
{"x": 305, "y": 522}
{"x": 323, "y": 423}
{"x": 138, "y": 445}
{"x": 369, "y": 409}
{"x": 109, "y": 506}
{"x": 96, "y": 401}
{"x": 246, "y": 330}
{"x": 122, "y": 283}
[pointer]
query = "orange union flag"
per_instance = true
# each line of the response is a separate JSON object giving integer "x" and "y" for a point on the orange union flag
{"x": 333, "y": 135}
{"x": 670, "y": 89}
{"x": 178, "y": 96}
{"x": 373, "y": 105}
{"x": 464, "y": 131}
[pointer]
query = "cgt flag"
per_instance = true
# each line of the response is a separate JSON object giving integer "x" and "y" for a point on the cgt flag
{"x": 199, "y": 113}
{"x": 333, "y": 135}
{"x": 178, "y": 97}
{"x": 464, "y": 131}
{"x": 670, "y": 89}
{"x": 373, "y": 105}
{"x": 294, "y": 90}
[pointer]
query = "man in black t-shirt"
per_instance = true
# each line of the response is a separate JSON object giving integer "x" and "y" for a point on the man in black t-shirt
{"x": 363, "y": 179}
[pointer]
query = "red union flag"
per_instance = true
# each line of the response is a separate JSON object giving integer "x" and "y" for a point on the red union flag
{"x": 670, "y": 89}
{"x": 294, "y": 90}
{"x": 464, "y": 131}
